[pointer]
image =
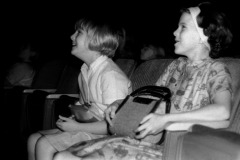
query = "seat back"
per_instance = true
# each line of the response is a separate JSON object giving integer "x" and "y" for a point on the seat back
{"x": 127, "y": 65}
{"x": 233, "y": 65}
{"x": 48, "y": 75}
{"x": 68, "y": 83}
{"x": 148, "y": 72}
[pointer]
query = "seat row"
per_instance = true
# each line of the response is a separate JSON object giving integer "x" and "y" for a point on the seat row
{"x": 141, "y": 74}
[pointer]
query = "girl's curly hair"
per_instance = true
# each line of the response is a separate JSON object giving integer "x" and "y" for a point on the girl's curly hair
{"x": 216, "y": 26}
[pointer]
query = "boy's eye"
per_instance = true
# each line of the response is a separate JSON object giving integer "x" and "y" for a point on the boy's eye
{"x": 79, "y": 32}
{"x": 183, "y": 27}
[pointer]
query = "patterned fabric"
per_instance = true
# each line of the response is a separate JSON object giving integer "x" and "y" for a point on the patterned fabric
{"x": 62, "y": 140}
{"x": 194, "y": 85}
{"x": 122, "y": 148}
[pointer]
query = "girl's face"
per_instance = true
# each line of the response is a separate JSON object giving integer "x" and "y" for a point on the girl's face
{"x": 79, "y": 44}
{"x": 186, "y": 36}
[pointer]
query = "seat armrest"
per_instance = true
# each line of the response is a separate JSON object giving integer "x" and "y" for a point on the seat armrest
{"x": 187, "y": 125}
{"x": 175, "y": 130}
{"x": 49, "y": 106}
{"x": 56, "y": 96}
{"x": 32, "y": 90}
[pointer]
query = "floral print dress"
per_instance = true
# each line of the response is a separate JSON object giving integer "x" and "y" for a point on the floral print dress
{"x": 193, "y": 85}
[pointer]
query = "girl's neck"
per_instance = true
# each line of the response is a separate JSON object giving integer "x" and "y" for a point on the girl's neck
{"x": 199, "y": 55}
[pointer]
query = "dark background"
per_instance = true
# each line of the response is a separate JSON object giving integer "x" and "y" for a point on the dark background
{"x": 49, "y": 25}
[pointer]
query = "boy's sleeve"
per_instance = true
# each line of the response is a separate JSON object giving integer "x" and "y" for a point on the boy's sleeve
{"x": 114, "y": 86}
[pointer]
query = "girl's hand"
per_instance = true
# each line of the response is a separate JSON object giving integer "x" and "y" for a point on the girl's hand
{"x": 151, "y": 124}
{"x": 67, "y": 124}
{"x": 111, "y": 111}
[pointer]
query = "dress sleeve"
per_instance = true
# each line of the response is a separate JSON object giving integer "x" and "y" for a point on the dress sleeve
{"x": 219, "y": 80}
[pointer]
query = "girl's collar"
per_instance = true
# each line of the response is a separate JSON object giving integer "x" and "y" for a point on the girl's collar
{"x": 198, "y": 62}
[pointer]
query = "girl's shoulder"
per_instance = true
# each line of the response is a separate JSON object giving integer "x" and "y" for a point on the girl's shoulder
{"x": 217, "y": 64}
{"x": 178, "y": 62}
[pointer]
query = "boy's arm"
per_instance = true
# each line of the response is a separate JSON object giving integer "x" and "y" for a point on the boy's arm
{"x": 99, "y": 127}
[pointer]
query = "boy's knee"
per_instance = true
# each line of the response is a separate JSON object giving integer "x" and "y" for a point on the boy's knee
{"x": 33, "y": 138}
{"x": 60, "y": 156}
{"x": 43, "y": 144}
{"x": 42, "y": 141}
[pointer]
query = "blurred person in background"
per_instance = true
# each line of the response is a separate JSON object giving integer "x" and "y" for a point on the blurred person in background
{"x": 23, "y": 70}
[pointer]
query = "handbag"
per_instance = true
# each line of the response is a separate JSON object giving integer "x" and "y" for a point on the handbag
{"x": 135, "y": 107}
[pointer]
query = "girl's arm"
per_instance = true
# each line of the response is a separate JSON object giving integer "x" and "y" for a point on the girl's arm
{"x": 218, "y": 111}
{"x": 99, "y": 127}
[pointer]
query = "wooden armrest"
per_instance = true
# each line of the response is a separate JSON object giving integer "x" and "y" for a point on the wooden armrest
{"x": 187, "y": 125}
{"x": 32, "y": 90}
{"x": 49, "y": 120}
{"x": 56, "y": 96}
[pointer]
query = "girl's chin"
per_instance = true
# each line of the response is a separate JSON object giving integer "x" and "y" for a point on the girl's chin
{"x": 178, "y": 52}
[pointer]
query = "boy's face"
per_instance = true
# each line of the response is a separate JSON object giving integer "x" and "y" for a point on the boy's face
{"x": 79, "y": 42}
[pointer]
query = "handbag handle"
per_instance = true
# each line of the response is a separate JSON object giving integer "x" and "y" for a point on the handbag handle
{"x": 156, "y": 91}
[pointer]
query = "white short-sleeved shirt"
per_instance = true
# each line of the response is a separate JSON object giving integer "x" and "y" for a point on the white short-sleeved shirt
{"x": 102, "y": 83}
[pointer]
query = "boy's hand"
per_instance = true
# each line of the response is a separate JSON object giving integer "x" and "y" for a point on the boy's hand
{"x": 67, "y": 124}
{"x": 111, "y": 111}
